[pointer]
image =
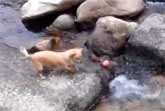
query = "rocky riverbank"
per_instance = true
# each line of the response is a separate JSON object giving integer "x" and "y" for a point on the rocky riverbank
{"x": 21, "y": 90}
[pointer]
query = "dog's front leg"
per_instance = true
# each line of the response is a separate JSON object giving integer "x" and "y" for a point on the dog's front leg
{"x": 70, "y": 68}
{"x": 39, "y": 68}
{"x": 40, "y": 74}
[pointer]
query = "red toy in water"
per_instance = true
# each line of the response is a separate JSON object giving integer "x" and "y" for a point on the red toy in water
{"x": 105, "y": 63}
{"x": 108, "y": 64}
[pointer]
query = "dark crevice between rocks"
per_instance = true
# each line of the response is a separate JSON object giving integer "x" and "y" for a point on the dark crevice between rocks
{"x": 85, "y": 25}
{"x": 139, "y": 16}
{"x": 37, "y": 24}
{"x": 40, "y": 22}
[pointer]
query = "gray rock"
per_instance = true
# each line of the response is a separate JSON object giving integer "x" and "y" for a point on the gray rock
{"x": 149, "y": 38}
{"x": 12, "y": 31}
{"x": 21, "y": 90}
{"x": 16, "y": 4}
{"x": 118, "y": 27}
{"x": 92, "y": 9}
{"x": 63, "y": 22}
{"x": 34, "y": 8}
{"x": 110, "y": 35}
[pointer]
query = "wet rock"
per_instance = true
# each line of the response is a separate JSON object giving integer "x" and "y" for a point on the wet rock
{"x": 92, "y": 9}
{"x": 109, "y": 36}
{"x": 148, "y": 40}
{"x": 21, "y": 90}
{"x": 12, "y": 31}
{"x": 34, "y": 8}
{"x": 62, "y": 22}
{"x": 16, "y": 4}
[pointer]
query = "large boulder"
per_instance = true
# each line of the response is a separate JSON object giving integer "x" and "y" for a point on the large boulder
{"x": 34, "y": 8}
{"x": 110, "y": 36}
{"x": 118, "y": 27}
{"x": 62, "y": 22}
{"x": 149, "y": 38}
{"x": 92, "y": 9}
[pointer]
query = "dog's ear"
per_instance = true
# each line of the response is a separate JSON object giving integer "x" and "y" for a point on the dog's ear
{"x": 57, "y": 39}
{"x": 54, "y": 43}
{"x": 72, "y": 56}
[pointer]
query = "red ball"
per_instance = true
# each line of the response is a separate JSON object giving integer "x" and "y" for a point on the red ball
{"x": 106, "y": 63}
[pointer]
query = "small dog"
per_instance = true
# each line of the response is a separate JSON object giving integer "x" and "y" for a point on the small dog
{"x": 48, "y": 44}
{"x": 62, "y": 60}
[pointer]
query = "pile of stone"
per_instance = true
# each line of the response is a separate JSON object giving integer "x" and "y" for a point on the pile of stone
{"x": 110, "y": 33}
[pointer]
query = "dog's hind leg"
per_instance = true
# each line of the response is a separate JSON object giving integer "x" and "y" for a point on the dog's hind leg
{"x": 39, "y": 67}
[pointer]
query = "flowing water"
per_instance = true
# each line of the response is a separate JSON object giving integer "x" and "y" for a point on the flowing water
{"x": 124, "y": 89}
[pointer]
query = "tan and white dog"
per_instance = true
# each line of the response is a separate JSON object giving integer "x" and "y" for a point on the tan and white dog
{"x": 48, "y": 44}
{"x": 62, "y": 60}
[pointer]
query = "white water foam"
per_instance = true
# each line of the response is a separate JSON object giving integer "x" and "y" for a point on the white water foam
{"x": 124, "y": 88}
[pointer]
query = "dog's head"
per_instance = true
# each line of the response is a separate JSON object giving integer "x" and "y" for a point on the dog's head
{"x": 75, "y": 53}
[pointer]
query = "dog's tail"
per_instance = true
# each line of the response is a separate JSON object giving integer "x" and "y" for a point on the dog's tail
{"x": 24, "y": 52}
